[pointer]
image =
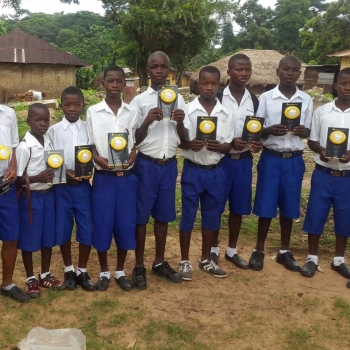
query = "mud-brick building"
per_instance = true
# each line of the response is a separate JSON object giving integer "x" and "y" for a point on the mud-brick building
{"x": 26, "y": 62}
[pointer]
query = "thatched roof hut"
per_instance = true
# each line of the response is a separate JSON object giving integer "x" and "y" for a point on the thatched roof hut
{"x": 264, "y": 64}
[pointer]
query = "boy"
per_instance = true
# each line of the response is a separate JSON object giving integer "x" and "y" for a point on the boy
{"x": 203, "y": 178}
{"x": 113, "y": 191}
{"x": 238, "y": 163}
{"x": 37, "y": 202}
{"x": 9, "y": 204}
{"x": 73, "y": 200}
{"x": 281, "y": 166}
{"x": 156, "y": 169}
{"x": 330, "y": 183}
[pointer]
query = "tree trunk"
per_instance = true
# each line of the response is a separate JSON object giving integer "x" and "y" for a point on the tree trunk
{"x": 142, "y": 72}
{"x": 179, "y": 80}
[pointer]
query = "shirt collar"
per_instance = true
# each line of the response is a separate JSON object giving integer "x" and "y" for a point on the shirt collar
{"x": 104, "y": 106}
{"x": 66, "y": 123}
{"x": 32, "y": 141}
{"x": 150, "y": 90}
{"x": 227, "y": 92}
{"x": 276, "y": 93}
{"x": 196, "y": 106}
{"x": 333, "y": 106}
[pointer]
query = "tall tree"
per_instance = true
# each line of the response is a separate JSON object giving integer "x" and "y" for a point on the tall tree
{"x": 229, "y": 42}
{"x": 318, "y": 6}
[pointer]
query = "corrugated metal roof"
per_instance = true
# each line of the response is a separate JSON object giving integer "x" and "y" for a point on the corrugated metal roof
{"x": 20, "y": 47}
{"x": 340, "y": 54}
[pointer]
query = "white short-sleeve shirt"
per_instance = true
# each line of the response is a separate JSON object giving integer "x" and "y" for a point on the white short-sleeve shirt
{"x": 65, "y": 135}
{"x": 328, "y": 116}
{"x": 37, "y": 161}
{"x": 224, "y": 134}
{"x": 101, "y": 120}
{"x": 270, "y": 108}
{"x": 239, "y": 112}
{"x": 162, "y": 138}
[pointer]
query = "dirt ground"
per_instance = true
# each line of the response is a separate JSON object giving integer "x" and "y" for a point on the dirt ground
{"x": 270, "y": 309}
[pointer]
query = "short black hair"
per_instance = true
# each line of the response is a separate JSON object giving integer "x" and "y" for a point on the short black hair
{"x": 344, "y": 71}
{"x": 113, "y": 68}
{"x": 36, "y": 106}
{"x": 209, "y": 69}
{"x": 158, "y": 53}
{"x": 72, "y": 90}
{"x": 290, "y": 58}
{"x": 237, "y": 57}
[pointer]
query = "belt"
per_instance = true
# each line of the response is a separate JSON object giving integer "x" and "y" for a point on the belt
{"x": 332, "y": 172}
{"x": 287, "y": 154}
{"x": 41, "y": 191}
{"x": 157, "y": 161}
{"x": 245, "y": 154}
{"x": 115, "y": 173}
{"x": 207, "y": 167}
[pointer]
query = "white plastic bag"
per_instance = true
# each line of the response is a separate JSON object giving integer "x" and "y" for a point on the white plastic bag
{"x": 53, "y": 339}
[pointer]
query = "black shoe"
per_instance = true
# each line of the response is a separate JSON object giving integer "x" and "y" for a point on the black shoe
{"x": 287, "y": 260}
{"x": 124, "y": 283}
{"x": 256, "y": 261}
{"x": 139, "y": 277}
{"x": 102, "y": 283}
{"x": 343, "y": 269}
{"x": 70, "y": 280}
{"x": 85, "y": 282}
{"x": 309, "y": 269}
{"x": 16, "y": 294}
{"x": 214, "y": 257}
{"x": 164, "y": 270}
{"x": 238, "y": 261}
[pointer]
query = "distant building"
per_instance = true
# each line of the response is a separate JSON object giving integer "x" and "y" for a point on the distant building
{"x": 344, "y": 58}
{"x": 28, "y": 63}
{"x": 322, "y": 76}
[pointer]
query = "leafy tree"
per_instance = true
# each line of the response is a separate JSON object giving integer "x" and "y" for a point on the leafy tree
{"x": 229, "y": 42}
{"x": 2, "y": 27}
{"x": 67, "y": 38}
{"x": 318, "y": 6}
{"x": 328, "y": 33}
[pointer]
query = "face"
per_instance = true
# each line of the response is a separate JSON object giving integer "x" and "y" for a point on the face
{"x": 208, "y": 85}
{"x": 240, "y": 72}
{"x": 72, "y": 107}
{"x": 343, "y": 86}
{"x": 39, "y": 121}
{"x": 114, "y": 83}
{"x": 158, "y": 69}
{"x": 288, "y": 72}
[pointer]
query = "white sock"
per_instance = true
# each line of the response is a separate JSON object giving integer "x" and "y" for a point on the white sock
{"x": 105, "y": 274}
{"x": 215, "y": 250}
{"x": 204, "y": 261}
{"x": 158, "y": 264}
{"x": 231, "y": 251}
{"x": 80, "y": 270}
{"x": 258, "y": 251}
{"x": 29, "y": 278}
{"x": 9, "y": 287}
{"x": 184, "y": 261}
{"x": 313, "y": 258}
{"x": 283, "y": 251}
{"x": 43, "y": 275}
{"x": 337, "y": 260}
{"x": 69, "y": 268}
{"x": 118, "y": 274}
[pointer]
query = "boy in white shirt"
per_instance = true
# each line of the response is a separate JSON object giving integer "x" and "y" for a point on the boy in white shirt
{"x": 73, "y": 199}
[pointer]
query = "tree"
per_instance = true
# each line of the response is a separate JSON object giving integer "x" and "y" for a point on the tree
{"x": 318, "y": 6}
{"x": 328, "y": 33}
{"x": 229, "y": 42}
{"x": 16, "y": 4}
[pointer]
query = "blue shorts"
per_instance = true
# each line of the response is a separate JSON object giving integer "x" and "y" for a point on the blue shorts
{"x": 328, "y": 191}
{"x": 156, "y": 191}
{"x": 279, "y": 185}
{"x": 9, "y": 215}
{"x": 41, "y": 232}
{"x": 114, "y": 211}
{"x": 205, "y": 187}
{"x": 238, "y": 188}
{"x": 73, "y": 202}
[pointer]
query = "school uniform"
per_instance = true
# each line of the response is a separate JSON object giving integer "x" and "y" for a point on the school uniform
{"x": 330, "y": 182}
{"x": 281, "y": 166}
{"x": 156, "y": 165}
{"x": 41, "y": 232}
{"x": 203, "y": 177}
{"x": 8, "y": 200}
{"x": 238, "y": 164}
{"x": 113, "y": 191}
{"x": 72, "y": 200}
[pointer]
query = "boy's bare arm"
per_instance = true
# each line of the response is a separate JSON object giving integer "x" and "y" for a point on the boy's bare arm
{"x": 11, "y": 174}
{"x": 101, "y": 161}
{"x": 178, "y": 116}
{"x": 316, "y": 147}
{"x": 216, "y": 146}
{"x": 45, "y": 176}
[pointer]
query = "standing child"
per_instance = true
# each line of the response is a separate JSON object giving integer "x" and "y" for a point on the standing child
{"x": 9, "y": 205}
{"x": 156, "y": 169}
{"x": 73, "y": 200}
{"x": 238, "y": 163}
{"x": 37, "y": 202}
{"x": 113, "y": 191}
{"x": 203, "y": 177}
{"x": 281, "y": 166}
{"x": 330, "y": 182}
